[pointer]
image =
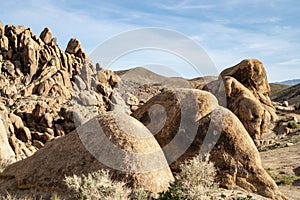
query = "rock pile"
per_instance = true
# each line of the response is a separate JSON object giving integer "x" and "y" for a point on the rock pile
{"x": 41, "y": 86}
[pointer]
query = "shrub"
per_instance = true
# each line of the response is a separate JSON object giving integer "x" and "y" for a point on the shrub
{"x": 97, "y": 185}
{"x": 286, "y": 180}
{"x": 194, "y": 182}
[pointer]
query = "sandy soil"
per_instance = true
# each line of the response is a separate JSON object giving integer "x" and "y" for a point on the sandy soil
{"x": 285, "y": 162}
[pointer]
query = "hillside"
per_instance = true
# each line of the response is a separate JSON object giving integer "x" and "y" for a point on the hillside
{"x": 290, "y": 94}
{"x": 290, "y": 82}
{"x": 276, "y": 89}
{"x": 143, "y": 76}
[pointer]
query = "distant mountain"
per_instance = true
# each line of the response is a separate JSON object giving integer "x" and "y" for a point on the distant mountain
{"x": 290, "y": 82}
{"x": 142, "y": 75}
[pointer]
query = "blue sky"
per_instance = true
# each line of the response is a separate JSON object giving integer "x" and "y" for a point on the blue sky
{"x": 229, "y": 31}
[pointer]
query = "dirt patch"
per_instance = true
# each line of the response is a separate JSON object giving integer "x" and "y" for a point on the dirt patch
{"x": 283, "y": 165}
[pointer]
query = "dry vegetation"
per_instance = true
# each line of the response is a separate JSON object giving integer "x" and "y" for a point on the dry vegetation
{"x": 194, "y": 182}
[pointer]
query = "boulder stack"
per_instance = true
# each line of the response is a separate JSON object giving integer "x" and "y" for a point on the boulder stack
{"x": 187, "y": 122}
{"x": 244, "y": 89}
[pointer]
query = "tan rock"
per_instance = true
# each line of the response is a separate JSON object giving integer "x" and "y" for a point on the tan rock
{"x": 18, "y": 29}
{"x": 6, "y": 152}
{"x": 1, "y": 30}
{"x": 31, "y": 57}
{"x": 42, "y": 137}
{"x": 131, "y": 100}
{"x": 88, "y": 98}
{"x": 252, "y": 74}
{"x": 8, "y": 67}
{"x": 4, "y": 43}
{"x": 258, "y": 118}
{"x": 66, "y": 156}
{"x": 73, "y": 46}
{"x": 79, "y": 82}
{"x": 46, "y": 35}
{"x": 104, "y": 90}
{"x": 207, "y": 128}
{"x": 37, "y": 144}
{"x": 24, "y": 134}
{"x": 285, "y": 103}
{"x": 47, "y": 120}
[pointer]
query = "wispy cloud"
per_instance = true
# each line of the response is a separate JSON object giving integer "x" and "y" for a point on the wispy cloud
{"x": 228, "y": 30}
{"x": 291, "y": 62}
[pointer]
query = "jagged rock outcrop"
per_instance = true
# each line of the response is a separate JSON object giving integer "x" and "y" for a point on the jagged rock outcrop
{"x": 42, "y": 87}
{"x": 192, "y": 120}
{"x": 137, "y": 158}
{"x": 245, "y": 90}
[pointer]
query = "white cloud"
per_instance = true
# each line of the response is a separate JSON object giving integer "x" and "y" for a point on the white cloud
{"x": 228, "y": 30}
{"x": 295, "y": 61}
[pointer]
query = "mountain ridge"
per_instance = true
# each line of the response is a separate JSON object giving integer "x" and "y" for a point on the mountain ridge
{"x": 290, "y": 82}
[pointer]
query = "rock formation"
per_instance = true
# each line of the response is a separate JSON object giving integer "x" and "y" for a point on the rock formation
{"x": 42, "y": 86}
{"x": 192, "y": 119}
{"x": 247, "y": 91}
{"x": 252, "y": 74}
{"x": 53, "y": 102}
{"x": 138, "y": 159}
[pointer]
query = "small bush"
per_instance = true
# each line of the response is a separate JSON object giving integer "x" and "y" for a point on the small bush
{"x": 97, "y": 185}
{"x": 286, "y": 180}
{"x": 194, "y": 182}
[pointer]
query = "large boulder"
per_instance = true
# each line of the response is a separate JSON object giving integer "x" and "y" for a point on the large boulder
{"x": 189, "y": 122}
{"x": 257, "y": 117}
{"x": 113, "y": 141}
{"x": 252, "y": 74}
{"x": 46, "y": 35}
{"x": 244, "y": 89}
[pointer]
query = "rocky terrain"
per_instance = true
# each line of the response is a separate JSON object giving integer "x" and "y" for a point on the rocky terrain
{"x": 290, "y": 94}
{"x": 61, "y": 115}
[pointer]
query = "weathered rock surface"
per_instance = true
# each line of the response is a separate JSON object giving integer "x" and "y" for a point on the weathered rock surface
{"x": 41, "y": 86}
{"x": 257, "y": 118}
{"x": 6, "y": 152}
{"x": 252, "y": 74}
{"x": 137, "y": 153}
{"x": 209, "y": 128}
{"x": 244, "y": 89}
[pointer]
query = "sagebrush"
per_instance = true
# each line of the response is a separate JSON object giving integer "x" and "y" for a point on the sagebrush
{"x": 97, "y": 185}
{"x": 195, "y": 181}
